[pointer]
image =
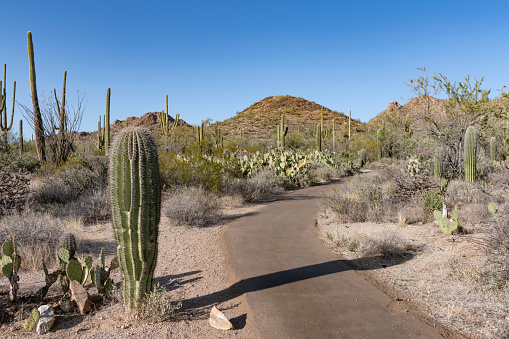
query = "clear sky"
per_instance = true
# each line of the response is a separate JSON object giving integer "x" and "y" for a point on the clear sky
{"x": 215, "y": 58}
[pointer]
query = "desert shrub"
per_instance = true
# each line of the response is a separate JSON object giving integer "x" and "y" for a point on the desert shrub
{"x": 26, "y": 162}
{"x": 322, "y": 172}
{"x": 90, "y": 208}
{"x": 296, "y": 140}
{"x": 53, "y": 190}
{"x": 459, "y": 191}
{"x": 387, "y": 244}
{"x": 474, "y": 215}
{"x": 260, "y": 185}
{"x": 192, "y": 170}
{"x": 79, "y": 179}
{"x": 431, "y": 201}
{"x": 37, "y": 237}
{"x": 191, "y": 206}
{"x": 495, "y": 272}
{"x": 412, "y": 213}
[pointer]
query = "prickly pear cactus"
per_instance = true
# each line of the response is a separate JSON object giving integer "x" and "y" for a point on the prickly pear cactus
{"x": 10, "y": 264}
{"x": 470, "y": 153}
{"x": 136, "y": 203}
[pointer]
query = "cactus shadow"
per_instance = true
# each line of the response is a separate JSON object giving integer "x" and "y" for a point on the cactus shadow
{"x": 173, "y": 282}
{"x": 262, "y": 282}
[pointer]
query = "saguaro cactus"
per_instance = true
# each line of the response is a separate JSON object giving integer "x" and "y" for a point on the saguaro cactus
{"x": 379, "y": 134}
{"x": 438, "y": 162}
{"x": 470, "y": 153}
{"x": 20, "y": 137}
{"x": 493, "y": 149}
{"x": 349, "y": 125}
{"x": 107, "y": 123}
{"x": 333, "y": 135}
{"x": 319, "y": 137}
{"x": 362, "y": 157}
{"x": 282, "y": 132}
{"x": 136, "y": 205}
{"x": 38, "y": 126}
{"x": 4, "y": 125}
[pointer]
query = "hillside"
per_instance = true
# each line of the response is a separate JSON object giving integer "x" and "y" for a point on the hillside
{"x": 416, "y": 109}
{"x": 260, "y": 120}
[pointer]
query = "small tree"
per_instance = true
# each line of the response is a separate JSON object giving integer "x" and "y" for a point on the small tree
{"x": 467, "y": 105}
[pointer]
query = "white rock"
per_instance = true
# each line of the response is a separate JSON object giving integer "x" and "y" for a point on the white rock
{"x": 46, "y": 320}
{"x": 218, "y": 320}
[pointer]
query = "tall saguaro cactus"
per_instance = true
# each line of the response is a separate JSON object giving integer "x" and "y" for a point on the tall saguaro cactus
{"x": 4, "y": 125}
{"x": 107, "y": 123}
{"x": 493, "y": 149}
{"x": 470, "y": 153}
{"x": 20, "y": 137}
{"x": 349, "y": 124}
{"x": 282, "y": 132}
{"x": 136, "y": 205}
{"x": 438, "y": 162}
{"x": 319, "y": 137}
{"x": 38, "y": 126}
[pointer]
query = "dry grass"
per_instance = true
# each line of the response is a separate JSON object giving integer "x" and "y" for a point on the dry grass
{"x": 37, "y": 237}
{"x": 191, "y": 206}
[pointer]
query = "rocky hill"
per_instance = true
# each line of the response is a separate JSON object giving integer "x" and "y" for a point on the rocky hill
{"x": 260, "y": 120}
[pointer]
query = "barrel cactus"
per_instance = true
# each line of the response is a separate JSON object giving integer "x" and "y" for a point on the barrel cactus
{"x": 438, "y": 162}
{"x": 493, "y": 149}
{"x": 135, "y": 191}
{"x": 470, "y": 153}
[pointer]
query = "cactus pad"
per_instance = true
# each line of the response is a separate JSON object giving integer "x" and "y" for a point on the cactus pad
{"x": 64, "y": 255}
{"x": 29, "y": 324}
{"x": 8, "y": 248}
{"x": 36, "y": 315}
{"x": 7, "y": 267}
{"x": 74, "y": 270}
{"x": 88, "y": 262}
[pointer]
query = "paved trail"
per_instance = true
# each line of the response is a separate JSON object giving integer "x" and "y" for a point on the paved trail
{"x": 296, "y": 288}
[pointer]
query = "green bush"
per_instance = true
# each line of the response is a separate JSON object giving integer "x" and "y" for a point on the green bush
{"x": 431, "y": 201}
{"x": 191, "y": 170}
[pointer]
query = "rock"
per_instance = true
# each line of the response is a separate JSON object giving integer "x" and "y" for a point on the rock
{"x": 46, "y": 320}
{"x": 80, "y": 295}
{"x": 392, "y": 106}
{"x": 218, "y": 320}
{"x": 66, "y": 306}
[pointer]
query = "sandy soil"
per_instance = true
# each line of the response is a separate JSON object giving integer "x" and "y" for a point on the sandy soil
{"x": 191, "y": 265}
{"x": 432, "y": 278}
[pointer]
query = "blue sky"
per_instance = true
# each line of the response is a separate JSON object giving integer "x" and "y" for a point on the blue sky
{"x": 215, "y": 58}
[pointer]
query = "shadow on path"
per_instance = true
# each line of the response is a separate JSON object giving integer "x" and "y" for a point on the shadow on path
{"x": 195, "y": 306}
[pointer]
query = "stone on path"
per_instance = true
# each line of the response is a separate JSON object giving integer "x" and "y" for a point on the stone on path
{"x": 218, "y": 320}
{"x": 80, "y": 295}
{"x": 46, "y": 319}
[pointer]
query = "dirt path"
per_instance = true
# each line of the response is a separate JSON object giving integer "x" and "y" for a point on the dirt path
{"x": 296, "y": 288}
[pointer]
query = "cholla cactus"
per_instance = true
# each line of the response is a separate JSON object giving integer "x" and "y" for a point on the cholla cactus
{"x": 136, "y": 205}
